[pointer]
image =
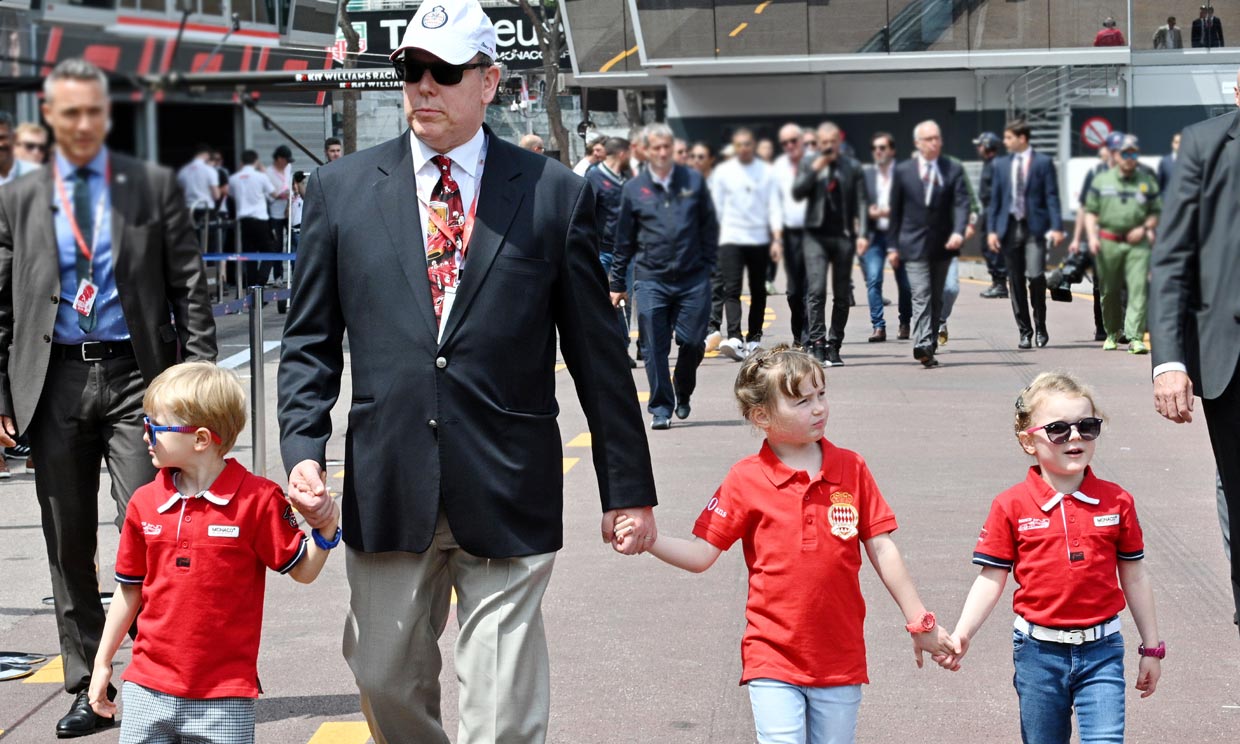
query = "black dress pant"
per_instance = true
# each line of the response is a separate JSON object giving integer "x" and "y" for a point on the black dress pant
{"x": 735, "y": 261}
{"x": 794, "y": 278}
{"x": 255, "y": 238}
{"x": 89, "y": 413}
{"x": 821, "y": 251}
{"x": 1223, "y": 421}
{"x": 1025, "y": 256}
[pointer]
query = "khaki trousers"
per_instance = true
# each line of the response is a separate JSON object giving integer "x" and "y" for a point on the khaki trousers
{"x": 398, "y": 607}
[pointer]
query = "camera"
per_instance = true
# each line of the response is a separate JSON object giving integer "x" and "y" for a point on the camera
{"x": 1071, "y": 271}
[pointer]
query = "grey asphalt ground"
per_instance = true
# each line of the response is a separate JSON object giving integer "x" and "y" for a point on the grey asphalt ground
{"x": 642, "y": 652}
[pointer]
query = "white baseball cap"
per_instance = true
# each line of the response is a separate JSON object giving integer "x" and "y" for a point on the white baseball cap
{"x": 452, "y": 30}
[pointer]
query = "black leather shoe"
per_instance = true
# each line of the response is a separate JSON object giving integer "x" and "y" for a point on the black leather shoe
{"x": 1026, "y": 341}
{"x": 902, "y": 334}
{"x": 632, "y": 363}
{"x": 1041, "y": 339}
{"x": 1100, "y": 335}
{"x": 659, "y": 423}
{"x": 683, "y": 410}
{"x": 995, "y": 291}
{"x": 819, "y": 352}
{"x": 81, "y": 720}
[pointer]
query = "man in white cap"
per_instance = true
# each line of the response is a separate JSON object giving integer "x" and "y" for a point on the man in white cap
{"x": 453, "y": 260}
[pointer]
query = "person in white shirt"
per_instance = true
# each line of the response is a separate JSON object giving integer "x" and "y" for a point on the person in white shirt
{"x": 251, "y": 191}
{"x": 748, "y": 202}
{"x": 793, "y": 210}
{"x": 201, "y": 184}
{"x": 595, "y": 152}
{"x": 281, "y": 176}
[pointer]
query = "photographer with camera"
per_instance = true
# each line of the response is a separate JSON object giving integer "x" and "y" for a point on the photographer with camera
{"x": 1121, "y": 212}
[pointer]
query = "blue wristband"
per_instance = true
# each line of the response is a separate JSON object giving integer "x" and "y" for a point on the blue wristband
{"x": 323, "y": 542}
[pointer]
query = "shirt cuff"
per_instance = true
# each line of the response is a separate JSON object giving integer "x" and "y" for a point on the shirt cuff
{"x": 1170, "y": 367}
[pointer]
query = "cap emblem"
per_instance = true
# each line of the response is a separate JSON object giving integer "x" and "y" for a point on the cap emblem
{"x": 436, "y": 18}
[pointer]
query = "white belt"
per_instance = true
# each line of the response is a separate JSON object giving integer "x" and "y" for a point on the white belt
{"x": 1074, "y": 637}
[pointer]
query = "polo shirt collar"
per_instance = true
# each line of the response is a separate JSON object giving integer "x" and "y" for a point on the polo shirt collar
{"x": 779, "y": 473}
{"x": 467, "y": 157}
{"x": 226, "y": 485}
{"x": 1047, "y": 498}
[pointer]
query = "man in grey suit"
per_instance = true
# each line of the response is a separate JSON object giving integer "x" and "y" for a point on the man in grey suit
{"x": 1168, "y": 36}
{"x": 1194, "y": 308}
{"x": 453, "y": 457}
{"x": 102, "y": 287}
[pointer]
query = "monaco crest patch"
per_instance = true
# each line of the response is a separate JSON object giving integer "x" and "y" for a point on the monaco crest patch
{"x": 843, "y": 516}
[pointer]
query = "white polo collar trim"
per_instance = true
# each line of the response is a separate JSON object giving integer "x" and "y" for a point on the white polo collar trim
{"x": 1058, "y": 497}
{"x": 178, "y": 496}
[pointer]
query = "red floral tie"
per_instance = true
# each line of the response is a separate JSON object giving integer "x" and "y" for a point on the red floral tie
{"x": 444, "y": 252}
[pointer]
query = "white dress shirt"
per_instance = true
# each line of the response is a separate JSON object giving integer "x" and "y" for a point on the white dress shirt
{"x": 748, "y": 202}
{"x": 467, "y": 162}
{"x": 936, "y": 177}
{"x": 250, "y": 191}
{"x": 280, "y": 188}
{"x": 882, "y": 188}
{"x": 197, "y": 178}
{"x": 793, "y": 209}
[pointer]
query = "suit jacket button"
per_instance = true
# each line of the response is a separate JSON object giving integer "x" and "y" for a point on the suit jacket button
{"x": 441, "y": 362}
{"x": 55, "y": 300}
{"x": 433, "y": 424}
{"x": 47, "y": 339}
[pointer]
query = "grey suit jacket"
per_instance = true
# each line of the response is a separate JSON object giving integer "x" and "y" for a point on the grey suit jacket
{"x": 159, "y": 275}
{"x": 1195, "y": 268}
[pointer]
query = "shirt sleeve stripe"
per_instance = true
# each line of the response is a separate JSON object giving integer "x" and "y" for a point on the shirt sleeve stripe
{"x": 982, "y": 559}
{"x": 1136, "y": 555}
{"x": 301, "y": 552}
{"x": 127, "y": 579}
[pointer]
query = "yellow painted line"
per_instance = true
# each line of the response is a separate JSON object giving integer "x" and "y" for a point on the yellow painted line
{"x": 739, "y": 29}
{"x": 342, "y": 732}
{"x": 561, "y": 367}
{"x": 643, "y": 396}
{"x": 569, "y": 462}
{"x": 453, "y": 600}
{"x": 616, "y": 60}
{"x": 339, "y": 475}
{"x": 581, "y": 440}
{"x": 761, "y": 7}
{"x": 766, "y": 325}
{"x": 632, "y": 334}
{"x": 53, "y": 672}
{"x": 711, "y": 354}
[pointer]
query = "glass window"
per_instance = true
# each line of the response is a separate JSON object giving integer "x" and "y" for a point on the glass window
{"x": 929, "y": 25}
{"x": 211, "y": 7}
{"x": 1149, "y": 16}
{"x": 1088, "y": 23}
{"x": 780, "y": 28}
{"x": 1005, "y": 25}
{"x": 677, "y": 28}
{"x": 847, "y": 26}
{"x": 603, "y": 37}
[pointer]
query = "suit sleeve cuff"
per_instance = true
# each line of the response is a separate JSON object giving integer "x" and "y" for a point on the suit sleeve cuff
{"x": 1170, "y": 367}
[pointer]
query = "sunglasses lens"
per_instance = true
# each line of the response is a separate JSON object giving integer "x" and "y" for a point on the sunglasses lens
{"x": 1089, "y": 428}
{"x": 1058, "y": 431}
{"x": 411, "y": 71}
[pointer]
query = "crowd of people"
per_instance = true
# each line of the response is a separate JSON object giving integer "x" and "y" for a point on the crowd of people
{"x": 453, "y": 457}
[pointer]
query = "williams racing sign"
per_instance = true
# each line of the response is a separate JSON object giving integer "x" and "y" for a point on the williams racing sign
{"x": 516, "y": 36}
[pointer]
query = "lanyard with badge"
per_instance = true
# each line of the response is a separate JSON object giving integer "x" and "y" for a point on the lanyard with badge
{"x": 87, "y": 291}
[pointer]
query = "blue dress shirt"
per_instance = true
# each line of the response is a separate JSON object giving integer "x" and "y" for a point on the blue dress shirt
{"x": 110, "y": 324}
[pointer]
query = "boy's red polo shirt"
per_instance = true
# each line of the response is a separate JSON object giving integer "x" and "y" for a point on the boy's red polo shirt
{"x": 202, "y": 564}
{"x": 801, "y": 538}
{"x": 1064, "y": 551}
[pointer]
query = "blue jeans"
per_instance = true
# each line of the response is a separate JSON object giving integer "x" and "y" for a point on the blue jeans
{"x": 951, "y": 289}
{"x": 1053, "y": 678}
{"x": 791, "y": 714}
{"x": 663, "y": 308}
{"x": 872, "y": 265}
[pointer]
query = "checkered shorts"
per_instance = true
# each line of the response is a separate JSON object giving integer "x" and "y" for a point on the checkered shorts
{"x": 152, "y": 717}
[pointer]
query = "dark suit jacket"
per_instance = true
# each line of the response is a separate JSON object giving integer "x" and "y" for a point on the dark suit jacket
{"x": 159, "y": 275}
{"x": 1194, "y": 309}
{"x": 1166, "y": 166}
{"x": 1202, "y": 36}
{"x": 812, "y": 186}
{"x": 920, "y": 232}
{"x": 467, "y": 425}
{"x": 1041, "y": 196}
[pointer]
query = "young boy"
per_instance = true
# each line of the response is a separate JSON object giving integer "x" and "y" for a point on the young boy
{"x": 193, "y": 555}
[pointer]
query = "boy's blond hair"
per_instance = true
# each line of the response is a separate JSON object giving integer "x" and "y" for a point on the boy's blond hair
{"x": 200, "y": 394}
{"x": 1045, "y": 384}
{"x": 770, "y": 372}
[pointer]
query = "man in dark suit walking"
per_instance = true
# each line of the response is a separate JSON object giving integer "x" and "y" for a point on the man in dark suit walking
{"x": 453, "y": 260}
{"x": 1194, "y": 311}
{"x": 835, "y": 228}
{"x": 929, "y": 216}
{"x": 1166, "y": 165}
{"x": 1207, "y": 29}
{"x": 103, "y": 288}
{"x": 1024, "y": 215}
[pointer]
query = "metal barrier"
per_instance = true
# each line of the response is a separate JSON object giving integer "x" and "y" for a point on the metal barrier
{"x": 258, "y": 387}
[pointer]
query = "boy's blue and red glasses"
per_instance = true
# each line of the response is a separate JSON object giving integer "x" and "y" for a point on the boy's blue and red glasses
{"x": 1060, "y": 431}
{"x": 153, "y": 428}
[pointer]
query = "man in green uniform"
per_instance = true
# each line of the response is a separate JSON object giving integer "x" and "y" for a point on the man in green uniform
{"x": 1121, "y": 213}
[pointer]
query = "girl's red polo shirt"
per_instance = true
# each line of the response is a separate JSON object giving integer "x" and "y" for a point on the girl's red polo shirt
{"x": 1065, "y": 551}
{"x": 202, "y": 570}
{"x": 801, "y": 537}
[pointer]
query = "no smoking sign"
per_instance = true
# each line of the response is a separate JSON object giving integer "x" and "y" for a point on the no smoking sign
{"x": 1094, "y": 132}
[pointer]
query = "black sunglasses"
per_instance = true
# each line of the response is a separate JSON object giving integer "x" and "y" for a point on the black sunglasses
{"x": 411, "y": 71}
{"x": 793, "y": 141}
{"x": 1060, "y": 431}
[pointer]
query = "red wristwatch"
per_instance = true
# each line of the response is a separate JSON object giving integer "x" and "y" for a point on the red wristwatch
{"x": 924, "y": 625}
{"x": 1159, "y": 652}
